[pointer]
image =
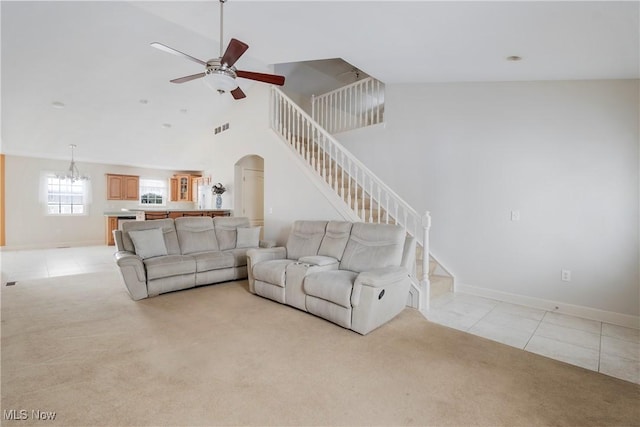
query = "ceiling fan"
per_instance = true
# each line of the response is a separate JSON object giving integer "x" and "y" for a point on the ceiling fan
{"x": 220, "y": 73}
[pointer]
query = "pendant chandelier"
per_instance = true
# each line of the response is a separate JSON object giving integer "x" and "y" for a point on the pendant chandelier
{"x": 72, "y": 174}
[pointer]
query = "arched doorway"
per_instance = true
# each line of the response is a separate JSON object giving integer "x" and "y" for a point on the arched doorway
{"x": 249, "y": 180}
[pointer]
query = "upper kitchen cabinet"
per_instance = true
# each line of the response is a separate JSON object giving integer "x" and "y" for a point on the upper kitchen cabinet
{"x": 181, "y": 187}
{"x": 123, "y": 187}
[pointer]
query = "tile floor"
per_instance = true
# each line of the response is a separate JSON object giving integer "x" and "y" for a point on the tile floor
{"x": 610, "y": 349}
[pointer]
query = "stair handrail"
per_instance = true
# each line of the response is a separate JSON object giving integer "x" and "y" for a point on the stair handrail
{"x": 354, "y": 160}
{"x": 422, "y": 223}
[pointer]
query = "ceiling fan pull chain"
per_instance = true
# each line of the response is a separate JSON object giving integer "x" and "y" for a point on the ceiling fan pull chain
{"x": 221, "y": 24}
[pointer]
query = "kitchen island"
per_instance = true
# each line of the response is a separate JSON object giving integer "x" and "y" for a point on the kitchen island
{"x": 114, "y": 219}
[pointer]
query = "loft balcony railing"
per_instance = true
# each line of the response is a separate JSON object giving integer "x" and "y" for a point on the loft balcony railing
{"x": 350, "y": 107}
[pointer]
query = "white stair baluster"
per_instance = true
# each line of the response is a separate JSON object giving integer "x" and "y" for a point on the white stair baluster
{"x": 378, "y": 203}
{"x": 405, "y": 220}
{"x": 288, "y": 135}
{"x": 349, "y": 201}
{"x": 324, "y": 158}
{"x": 355, "y": 187}
{"x": 310, "y": 136}
{"x": 364, "y": 186}
{"x": 294, "y": 126}
{"x": 342, "y": 175}
{"x": 350, "y": 118}
{"x": 371, "y": 202}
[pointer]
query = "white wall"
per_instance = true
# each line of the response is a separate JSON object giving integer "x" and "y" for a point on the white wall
{"x": 28, "y": 225}
{"x": 565, "y": 154}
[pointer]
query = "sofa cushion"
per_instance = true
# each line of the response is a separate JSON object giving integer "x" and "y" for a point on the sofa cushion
{"x": 373, "y": 246}
{"x": 148, "y": 243}
{"x": 170, "y": 265}
{"x": 214, "y": 260}
{"x": 248, "y": 237}
{"x": 305, "y": 238}
{"x": 168, "y": 232}
{"x": 196, "y": 234}
{"x": 334, "y": 286}
{"x": 225, "y": 227}
{"x": 271, "y": 271}
{"x": 239, "y": 256}
{"x": 335, "y": 239}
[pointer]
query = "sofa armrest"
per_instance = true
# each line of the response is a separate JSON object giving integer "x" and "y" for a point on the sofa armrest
{"x": 254, "y": 256}
{"x": 133, "y": 273}
{"x": 266, "y": 254}
{"x": 266, "y": 244}
{"x": 117, "y": 238}
{"x": 377, "y": 279}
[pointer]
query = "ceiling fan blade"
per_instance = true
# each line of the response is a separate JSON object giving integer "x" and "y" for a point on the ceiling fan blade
{"x": 261, "y": 77}
{"x": 187, "y": 78}
{"x": 237, "y": 93}
{"x": 177, "y": 52}
{"x": 234, "y": 51}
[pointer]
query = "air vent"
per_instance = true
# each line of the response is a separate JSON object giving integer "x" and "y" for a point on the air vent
{"x": 221, "y": 128}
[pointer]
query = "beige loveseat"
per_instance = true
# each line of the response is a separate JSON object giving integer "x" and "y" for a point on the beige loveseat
{"x": 167, "y": 255}
{"x": 353, "y": 274}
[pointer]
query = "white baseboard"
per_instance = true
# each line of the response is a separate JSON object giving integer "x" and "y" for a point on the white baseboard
{"x": 54, "y": 245}
{"x": 620, "y": 319}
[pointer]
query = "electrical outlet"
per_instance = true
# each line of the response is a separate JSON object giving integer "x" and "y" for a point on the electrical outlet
{"x": 515, "y": 215}
{"x": 566, "y": 275}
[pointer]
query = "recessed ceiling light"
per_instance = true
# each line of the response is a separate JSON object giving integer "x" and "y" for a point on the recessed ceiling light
{"x": 166, "y": 125}
{"x": 514, "y": 58}
{"x": 57, "y": 104}
{"x": 144, "y": 101}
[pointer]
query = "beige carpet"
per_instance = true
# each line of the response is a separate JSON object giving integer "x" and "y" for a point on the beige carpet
{"x": 80, "y": 347}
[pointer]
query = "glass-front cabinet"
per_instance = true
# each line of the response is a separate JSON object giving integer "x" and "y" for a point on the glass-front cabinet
{"x": 181, "y": 187}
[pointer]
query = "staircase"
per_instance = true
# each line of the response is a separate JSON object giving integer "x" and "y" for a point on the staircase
{"x": 356, "y": 191}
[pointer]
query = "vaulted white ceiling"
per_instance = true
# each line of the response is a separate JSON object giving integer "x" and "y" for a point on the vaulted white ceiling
{"x": 95, "y": 58}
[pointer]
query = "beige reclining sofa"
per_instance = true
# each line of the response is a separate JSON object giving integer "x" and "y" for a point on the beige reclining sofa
{"x": 355, "y": 275}
{"x": 165, "y": 255}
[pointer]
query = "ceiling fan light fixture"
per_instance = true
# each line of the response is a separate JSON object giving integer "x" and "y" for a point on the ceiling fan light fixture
{"x": 220, "y": 80}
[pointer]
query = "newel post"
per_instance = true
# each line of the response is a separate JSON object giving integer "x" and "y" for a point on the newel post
{"x": 313, "y": 107}
{"x": 425, "y": 284}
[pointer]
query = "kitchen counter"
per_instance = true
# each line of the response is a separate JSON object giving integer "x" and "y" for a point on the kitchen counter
{"x": 121, "y": 214}
{"x": 115, "y": 218}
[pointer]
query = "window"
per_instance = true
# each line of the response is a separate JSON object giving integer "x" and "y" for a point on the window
{"x": 153, "y": 192}
{"x": 65, "y": 197}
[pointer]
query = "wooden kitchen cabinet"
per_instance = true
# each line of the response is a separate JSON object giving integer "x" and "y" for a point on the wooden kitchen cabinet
{"x": 182, "y": 188}
{"x": 112, "y": 224}
{"x": 122, "y": 187}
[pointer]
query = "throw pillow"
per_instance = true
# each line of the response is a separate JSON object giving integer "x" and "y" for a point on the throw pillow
{"x": 148, "y": 243}
{"x": 248, "y": 237}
